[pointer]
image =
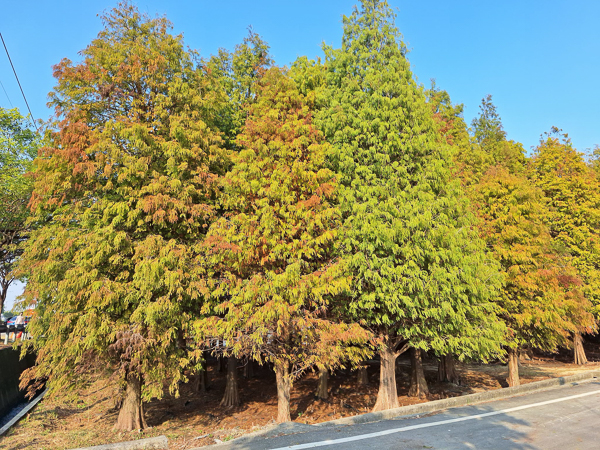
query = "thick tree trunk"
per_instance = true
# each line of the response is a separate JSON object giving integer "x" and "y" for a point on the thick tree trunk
{"x": 321, "y": 393}
{"x": 578, "y": 351}
{"x": 362, "y": 376}
{"x": 231, "y": 397}
{"x": 418, "y": 384}
{"x": 387, "y": 396}
{"x": 249, "y": 368}
{"x": 131, "y": 413}
{"x": 513, "y": 368}
{"x": 447, "y": 370}
{"x": 284, "y": 387}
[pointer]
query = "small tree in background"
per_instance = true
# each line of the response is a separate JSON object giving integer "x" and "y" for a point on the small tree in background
{"x": 489, "y": 133}
{"x": 470, "y": 161}
{"x": 18, "y": 148}
{"x": 273, "y": 252}
{"x": 124, "y": 190}
{"x": 237, "y": 73}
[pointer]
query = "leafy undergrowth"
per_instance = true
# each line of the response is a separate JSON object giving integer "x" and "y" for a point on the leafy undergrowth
{"x": 196, "y": 419}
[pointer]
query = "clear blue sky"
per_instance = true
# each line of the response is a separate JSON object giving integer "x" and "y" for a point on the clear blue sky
{"x": 538, "y": 58}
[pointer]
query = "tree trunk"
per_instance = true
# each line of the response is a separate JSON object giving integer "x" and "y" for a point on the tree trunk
{"x": 513, "y": 367}
{"x": 321, "y": 393}
{"x": 131, "y": 414}
{"x": 231, "y": 397}
{"x": 284, "y": 386}
{"x": 418, "y": 384}
{"x": 201, "y": 380}
{"x": 3, "y": 295}
{"x": 118, "y": 399}
{"x": 387, "y": 395}
{"x": 447, "y": 370}
{"x": 249, "y": 368}
{"x": 578, "y": 351}
{"x": 181, "y": 343}
{"x": 525, "y": 355}
{"x": 362, "y": 376}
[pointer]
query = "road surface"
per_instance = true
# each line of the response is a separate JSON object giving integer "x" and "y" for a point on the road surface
{"x": 565, "y": 418}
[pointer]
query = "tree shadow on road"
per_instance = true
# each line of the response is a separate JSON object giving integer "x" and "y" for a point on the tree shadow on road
{"x": 498, "y": 430}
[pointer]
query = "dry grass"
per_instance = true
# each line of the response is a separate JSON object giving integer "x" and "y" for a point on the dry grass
{"x": 195, "y": 419}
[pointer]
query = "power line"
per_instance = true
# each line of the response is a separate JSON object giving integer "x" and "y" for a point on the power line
{"x": 15, "y": 72}
{"x": 7, "y": 97}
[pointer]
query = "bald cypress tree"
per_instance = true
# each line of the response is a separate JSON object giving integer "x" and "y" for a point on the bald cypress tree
{"x": 421, "y": 276}
{"x": 272, "y": 254}
{"x": 123, "y": 191}
{"x": 572, "y": 190}
{"x": 541, "y": 301}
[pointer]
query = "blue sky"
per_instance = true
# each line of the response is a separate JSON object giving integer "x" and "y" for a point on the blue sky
{"x": 538, "y": 58}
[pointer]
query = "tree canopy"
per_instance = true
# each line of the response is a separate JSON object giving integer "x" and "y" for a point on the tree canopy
{"x": 573, "y": 192}
{"x": 273, "y": 251}
{"x": 421, "y": 276}
{"x": 123, "y": 191}
{"x": 18, "y": 148}
{"x": 542, "y": 300}
{"x": 303, "y": 218}
{"x": 237, "y": 73}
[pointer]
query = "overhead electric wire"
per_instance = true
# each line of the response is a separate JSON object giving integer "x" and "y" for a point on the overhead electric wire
{"x": 5, "y": 93}
{"x": 16, "y": 76}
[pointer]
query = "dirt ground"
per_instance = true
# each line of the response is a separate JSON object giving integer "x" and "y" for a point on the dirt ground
{"x": 196, "y": 419}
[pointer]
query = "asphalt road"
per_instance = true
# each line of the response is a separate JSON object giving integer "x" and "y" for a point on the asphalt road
{"x": 566, "y": 418}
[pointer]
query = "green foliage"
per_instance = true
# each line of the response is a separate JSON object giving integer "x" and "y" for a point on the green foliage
{"x": 470, "y": 160}
{"x": 300, "y": 217}
{"x": 310, "y": 76}
{"x": 18, "y": 148}
{"x": 272, "y": 252}
{"x": 420, "y": 273}
{"x": 236, "y": 74}
{"x": 541, "y": 300}
{"x": 448, "y": 115}
{"x": 490, "y": 135}
{"x": 573, "y": 192}
{"x": 488, "y": 126}
{"x": 123, "y": 191}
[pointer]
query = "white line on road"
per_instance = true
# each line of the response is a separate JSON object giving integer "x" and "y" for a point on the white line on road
{"x": 431, "y": 424}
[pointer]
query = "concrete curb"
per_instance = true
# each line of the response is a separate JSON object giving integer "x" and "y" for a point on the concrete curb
{"x": 155, "y": 443}
{"x": 463, "y": 400}
{"x": 24, "y": 411}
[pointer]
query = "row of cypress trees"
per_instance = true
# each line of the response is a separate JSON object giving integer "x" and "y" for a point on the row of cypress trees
{"x": 306, "y": 218}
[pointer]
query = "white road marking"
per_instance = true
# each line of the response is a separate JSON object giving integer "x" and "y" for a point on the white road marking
{"x": 431, "y": 424}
